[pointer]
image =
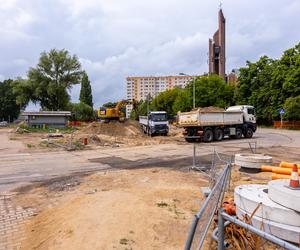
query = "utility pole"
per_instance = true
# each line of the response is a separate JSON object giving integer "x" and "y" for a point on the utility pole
{"x": 194, "y": 94}
{"x": 148, "y": 110}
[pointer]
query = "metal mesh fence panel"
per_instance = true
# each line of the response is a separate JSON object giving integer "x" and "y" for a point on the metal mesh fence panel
{"x": 205, "y": 215}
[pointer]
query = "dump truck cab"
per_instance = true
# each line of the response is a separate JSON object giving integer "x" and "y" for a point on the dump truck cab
{"x": 155, "y": 123}
{"x": 249, "y": 114}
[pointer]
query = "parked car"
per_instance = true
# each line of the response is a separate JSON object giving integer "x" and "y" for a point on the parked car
{"x": 3, "y": 124}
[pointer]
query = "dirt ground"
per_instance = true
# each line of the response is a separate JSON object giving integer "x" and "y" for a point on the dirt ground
{"x": 112, "y": 134}
{"x": 128, "y": 209}
{"x": 146, "y": 207}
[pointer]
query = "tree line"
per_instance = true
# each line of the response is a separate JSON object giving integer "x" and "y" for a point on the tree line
{"x": 269, "y": 85}
{"x": 49, "y": 84}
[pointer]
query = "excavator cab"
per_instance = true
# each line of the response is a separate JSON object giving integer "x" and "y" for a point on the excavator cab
{"x": 109, "y": 114}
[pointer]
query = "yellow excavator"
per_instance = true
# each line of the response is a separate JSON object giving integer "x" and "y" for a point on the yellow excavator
{"x": 110, "y": 114}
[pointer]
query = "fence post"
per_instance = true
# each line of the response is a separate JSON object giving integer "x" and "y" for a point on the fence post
{"x": 220, "y": 230}
{"x": 194, "y": 155}
{"x": 192, "y": 231}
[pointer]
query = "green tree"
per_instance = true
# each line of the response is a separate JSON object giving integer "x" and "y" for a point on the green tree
{"x": 211, "y": 91}
{"x": 86, "y": 91}
{"x": 110, "y": 104}
{"x": 9, "y": 109}
{"x": 268, "y": 83}
{"x": 165, "y": 101}
{"x": 51, "y": 80}
{"x": 81, "y": 112}
{"x": 183, "y": 102}
{"x": 23, "y": 90}
{"x": 292, "y": 108}
{"x": 141, "y": 110}
{"x": 255, "y": 88}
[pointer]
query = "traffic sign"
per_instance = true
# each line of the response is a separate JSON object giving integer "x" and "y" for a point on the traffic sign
{"x": 281, "y": 111}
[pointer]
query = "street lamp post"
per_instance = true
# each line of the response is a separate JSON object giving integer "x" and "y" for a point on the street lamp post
{"x": 194, "y": 95}
{"x": 194, "y": 105}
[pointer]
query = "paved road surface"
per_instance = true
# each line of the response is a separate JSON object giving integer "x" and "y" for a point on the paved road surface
{"x": 18, "y": 168}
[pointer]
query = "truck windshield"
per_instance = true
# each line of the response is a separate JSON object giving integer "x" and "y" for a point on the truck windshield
{"x": 159, "y": 117}
{"x": 251, "y": 111}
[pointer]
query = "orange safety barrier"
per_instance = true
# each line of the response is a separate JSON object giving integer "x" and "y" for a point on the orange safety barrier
{"x": 265, "y": 168}
{"x": 288, "y": 171}
{"x": 277, "y": 170}
{"x": 285, "y": 164}
{"x": 280, "y": 176}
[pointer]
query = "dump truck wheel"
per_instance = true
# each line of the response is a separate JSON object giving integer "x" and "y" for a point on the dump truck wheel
{"x": 208, "y": 135}
{"x": 218, "y": 134}
{"x": 238, "y": 133}
{"x": 248, "y": 133}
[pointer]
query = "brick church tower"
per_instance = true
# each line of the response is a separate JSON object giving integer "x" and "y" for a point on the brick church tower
{"x": 217, "y": 49}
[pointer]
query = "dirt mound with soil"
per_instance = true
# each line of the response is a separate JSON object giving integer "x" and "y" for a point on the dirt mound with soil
{"x": 114, "y": 128}
{"x": 210, "y": 109}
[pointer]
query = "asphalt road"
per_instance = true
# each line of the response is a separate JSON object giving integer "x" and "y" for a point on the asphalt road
{"x": 18, "y": 169}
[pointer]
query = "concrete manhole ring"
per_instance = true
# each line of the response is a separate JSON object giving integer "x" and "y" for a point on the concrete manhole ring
{"x": 252, "y": 160}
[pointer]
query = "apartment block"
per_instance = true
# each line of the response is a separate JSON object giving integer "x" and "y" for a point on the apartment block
{"x": 140, "y": 87}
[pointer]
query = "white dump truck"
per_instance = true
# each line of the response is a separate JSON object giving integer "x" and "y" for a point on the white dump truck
{"x": 234, "y": 122}
{"x": 155, "y": 123}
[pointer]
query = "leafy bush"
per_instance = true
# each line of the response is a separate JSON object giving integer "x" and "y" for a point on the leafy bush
{"x": 81, "y": 112}
{"x": 292, "y": 108}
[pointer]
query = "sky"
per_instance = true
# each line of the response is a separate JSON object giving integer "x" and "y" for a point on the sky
{"x": 114, "y": 39}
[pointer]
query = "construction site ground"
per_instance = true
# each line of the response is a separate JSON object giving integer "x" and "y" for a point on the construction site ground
{"x": 123, "y": 191}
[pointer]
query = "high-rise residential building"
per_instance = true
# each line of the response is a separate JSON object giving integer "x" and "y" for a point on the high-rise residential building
{"x": 140, "y": 87}
{"x": 217, "y": 56}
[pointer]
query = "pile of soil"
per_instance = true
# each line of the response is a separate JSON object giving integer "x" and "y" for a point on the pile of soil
{"x": 114, "y": 128}
{"x": 210, "y": 109}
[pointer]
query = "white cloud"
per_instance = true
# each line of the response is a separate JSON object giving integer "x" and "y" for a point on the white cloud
{"x": 118, "y": 38}
{"x": 168, "y": 58}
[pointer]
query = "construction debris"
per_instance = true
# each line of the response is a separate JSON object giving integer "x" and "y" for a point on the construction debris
{"x": 22, "y": 130}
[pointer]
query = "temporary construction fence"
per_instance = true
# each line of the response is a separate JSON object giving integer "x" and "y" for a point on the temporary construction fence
{"x": 203, "y": 218}
{"x": 287, "y": 124}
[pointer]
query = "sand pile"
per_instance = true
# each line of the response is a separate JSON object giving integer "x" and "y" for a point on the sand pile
{"x": 210, "y": 109}
{"x": 114, "y": 128}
